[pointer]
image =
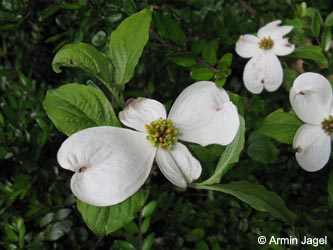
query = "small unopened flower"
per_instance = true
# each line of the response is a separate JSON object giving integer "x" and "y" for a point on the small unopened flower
{"x": 264, "y": 70}
{"x": 311, "y": 98}
{"x": 111, "y": 164}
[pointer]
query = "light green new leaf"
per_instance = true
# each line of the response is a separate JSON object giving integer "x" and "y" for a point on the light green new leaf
{"x": 149, "y": 209}
{"x": 225, "y": 61}
{"x": 257, "y": 196}
{"x": 316, "y": 23}
{"x": 74, "y": 107}
{"x": 182, "y": 60}
{"x": 105, "y": 220}
{"x": 330, "y": 189}
{"x": 87, "y": 58}
{"x": 229, "y": 157}
{"x": 127, "y": 43}
{"x": 201, "y": 74}
{"x": 326, "y": 39}
{"x": 148, "y": 241}
{"x": 281, "y": 126}
{"x": 311, "y": 52}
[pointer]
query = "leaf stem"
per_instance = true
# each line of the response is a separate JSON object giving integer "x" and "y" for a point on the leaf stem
{"x": 165, "y": 43}
{"x": 205, "y": 64}
{"x": 140, "y": 230}
{"x": 98, "y": 242}
{"x": 246, "y": 6}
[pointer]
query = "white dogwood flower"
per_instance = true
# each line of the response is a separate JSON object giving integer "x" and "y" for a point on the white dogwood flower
{"x": 264, "y": 69}
{"x": 111, "y": 164}
{"x": 311, "y": 99}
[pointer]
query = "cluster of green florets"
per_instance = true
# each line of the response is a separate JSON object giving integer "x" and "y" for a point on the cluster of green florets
{"x": 266, "y": 43}
{"x": 162, "y": 133}
{"x": 327, "y": 125}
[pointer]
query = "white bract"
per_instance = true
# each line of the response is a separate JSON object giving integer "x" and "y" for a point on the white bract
{"x": 311, "y": 99}
{"x": 264, "y": 69}
{"x": 111, "y": 164}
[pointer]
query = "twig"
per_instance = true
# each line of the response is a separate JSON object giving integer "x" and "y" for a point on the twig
{"x": 164, "y": 42}
{"x": 203, "y": 63}
{"x": 98, "y": 242}
{"x": 248, "y": 7}
{"x": 140, "y": 230}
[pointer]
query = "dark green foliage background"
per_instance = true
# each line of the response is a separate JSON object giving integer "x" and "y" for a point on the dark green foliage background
{"x": 37, "y": 209}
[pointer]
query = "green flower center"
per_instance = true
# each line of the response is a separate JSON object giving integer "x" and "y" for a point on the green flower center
{"x": 266, "y": 43}
{"x": 327, "y": 125}
{"x": 161, "y": 133}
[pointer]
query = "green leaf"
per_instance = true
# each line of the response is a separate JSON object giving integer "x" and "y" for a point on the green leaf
{"x": 105, "y": 220}
{"x": 145, "y": 225}
{"x": 175, "y": 32}
{"x": 74, "y": 107}
{"x": 148, "y": 242}
{"x": 201, "y": 74}
{"x": 54, "y": 234}
{"x": 129, "y": 7}
{"x": 229, "y": 157}
{"x": 122, "y": 245}
{"x": 21, "y": 231}
{"x": 62, "y": 214}
{"x": 281, "y": 126}
{"x": 220, "y": 82}
{"x": 127, "y": 43}
{"x": 197, "y": 47}
{"x": 48, "y": 11}
{"x": 226, "y": 60}
{"x": 329, "y": 20}
{"x": 114, "y": 17}
{"x": 195, "y": 234}
{"x": 87, "y": 58}
{"x": 209, "y": 52}
{"x": 54, "y": 38}
{"x": 149, "y": 209}
{"x": 131, "y": 228}
{"x": 70, "y": 6}
{"x": 326, "y": 39}
{"x": 289, "y": 77}
{"x": 262, "y": 149}
{"x": 160, "y": 25}
{"x": 330, "y": 189}
{"x": 238, "y": 101}
{"x": 201, "y": 245}
{"x": 182, "y": 60}
{"x": 257, "y": 196}
{"x": 316, "y": 23}
{"x": 99, "y": 38}
{"x": 311, "y": 52}
{"x": 47, "y": 219}
{"x": 168, "y": 28}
